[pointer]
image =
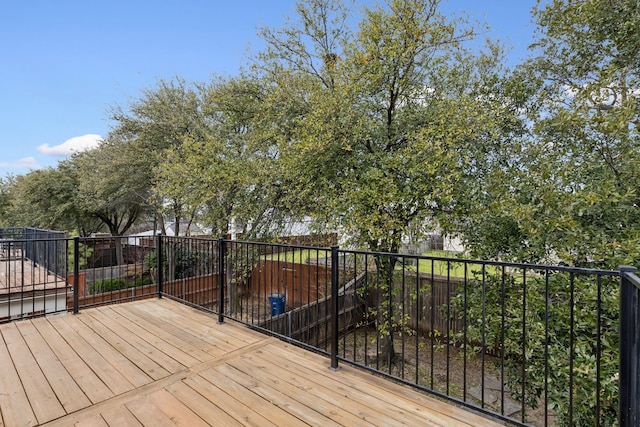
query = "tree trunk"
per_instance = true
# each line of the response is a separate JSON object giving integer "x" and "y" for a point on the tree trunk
{"x": 385, "y": 310}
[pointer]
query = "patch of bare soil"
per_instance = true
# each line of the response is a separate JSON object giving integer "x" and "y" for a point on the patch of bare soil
{"x": 442, "y": 368}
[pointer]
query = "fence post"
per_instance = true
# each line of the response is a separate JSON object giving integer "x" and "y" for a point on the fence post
{"x": 334, "y": 307}
{"x": 221, "y": 282}
{"x": 629, "y": 381}
{"x": 159, "y": 263}
{"x": 76, "y": 267}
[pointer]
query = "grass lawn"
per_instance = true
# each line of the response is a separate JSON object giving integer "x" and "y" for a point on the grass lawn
{"x": 438, "y": 267}
{"x": 300, "y": 256}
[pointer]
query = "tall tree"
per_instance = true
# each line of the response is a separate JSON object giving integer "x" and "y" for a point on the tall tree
{"x": 111, "y": 188}
{"x": 570, "y": 192}
{"x": 378, "y": 125}
{"x": 591, "y": 65}
{"x": 161, "y": 120}
{"x": 229, "y": 174}
{"x": 46, "y": 198}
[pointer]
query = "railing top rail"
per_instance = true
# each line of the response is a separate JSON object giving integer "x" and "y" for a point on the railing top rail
{"x": 39, "y": 239}
{"x": 565, "y": 269}
{"x": 279, "y": 245}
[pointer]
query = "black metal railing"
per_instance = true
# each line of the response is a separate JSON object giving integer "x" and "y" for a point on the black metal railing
{"x": 109, "y": 269}
{"x": 40, "y": 246}
{"x": 32, "y": 273}
{"x": 526, "y": 344}
{"x": 629, "y": 347}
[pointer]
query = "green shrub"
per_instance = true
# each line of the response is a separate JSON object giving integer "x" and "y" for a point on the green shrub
{"x": 109, "y": 285}
{"x": 547, "y": 300}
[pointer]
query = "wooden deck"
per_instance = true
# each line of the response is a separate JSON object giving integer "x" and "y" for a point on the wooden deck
{"x": 160, "y": 363}
{"x": 19, "y": 275}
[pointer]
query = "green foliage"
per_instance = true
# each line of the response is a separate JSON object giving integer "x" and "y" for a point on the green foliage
{"x": 183, "y": 261}
{"x": 111, "y": 185}
{"x": 110, "y": 285}
{"x": 85, "y": 253}
{"x": 45, "y": 199}
{"x": 517, "y": 310}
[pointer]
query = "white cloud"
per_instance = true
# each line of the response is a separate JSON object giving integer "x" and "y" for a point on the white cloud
{"x": 24, "y": 163}
{"x": 72, "y": 145}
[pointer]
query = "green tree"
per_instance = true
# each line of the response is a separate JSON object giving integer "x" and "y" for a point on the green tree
{"x": 568, "y": 194}
{"x": 110, "y": 187}
{"x": 6, "y": 185}
{"x": 380, "y": 125}
{"x": 162, "y": 119}
{"x": 228, "y": 174}
{"x": 46, "y": 198}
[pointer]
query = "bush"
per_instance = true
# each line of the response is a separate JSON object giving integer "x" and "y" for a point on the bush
{"x": 110, "y": 285}
{"x": 532, "y": 354}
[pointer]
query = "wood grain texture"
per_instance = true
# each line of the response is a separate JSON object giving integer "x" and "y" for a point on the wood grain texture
{"x": 156, "y": 362}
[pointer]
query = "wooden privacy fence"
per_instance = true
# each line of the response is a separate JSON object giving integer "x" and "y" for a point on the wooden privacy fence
{"x": 301, "y": 283}
{"x": 429, "y": 309}
{"x": 310, "y": 323}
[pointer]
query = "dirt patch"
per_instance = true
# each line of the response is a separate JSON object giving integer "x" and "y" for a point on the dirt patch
{"x": 470, "y": 377}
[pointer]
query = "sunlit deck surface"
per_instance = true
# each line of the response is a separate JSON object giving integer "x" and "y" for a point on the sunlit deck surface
{"x": 160, "y": 363}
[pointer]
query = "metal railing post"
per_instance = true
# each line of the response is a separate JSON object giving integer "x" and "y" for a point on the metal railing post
{"x": 159, "y": 262}
{"x": 76, "y": 267}
{"x": 334, "y": 307}
{"x": 629, "y": 381}
{"x": 221, "y": 282}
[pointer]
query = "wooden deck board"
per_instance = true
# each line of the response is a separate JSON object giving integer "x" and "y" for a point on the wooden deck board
{"x": 68, "y": 392}
{"x": 22, "y": 275}
{"x": 160, "y": 363}
{"x": 43, "y": 400}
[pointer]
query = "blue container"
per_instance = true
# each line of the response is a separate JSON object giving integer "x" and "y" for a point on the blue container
{"x": 277, "y": 302}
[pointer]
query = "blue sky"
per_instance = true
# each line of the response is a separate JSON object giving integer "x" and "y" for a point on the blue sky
{"x": 65, "y": 63}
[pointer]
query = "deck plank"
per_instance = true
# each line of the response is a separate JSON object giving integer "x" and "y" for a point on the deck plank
{"x": 148, "y": 413}
{"x": 128, "y": 350}
{"x": 301, "y": 411}
{"x": 87, "y": 380}
{"x": 96, "y": 421}
{"x": 109, "y": 375}
{"x": 14, "y": 404}
{"x": 156, "y": 340}
{"x": 202, "y": 324}
{"x": 166, "y": 331}
{"x": 194, "y": 332}
{"x": 307, "y": 387}
{"x": 68, "y": 392}
{"x": 176, "y": 410}
{"x": 229, "y": 375}
{"x": 122, "y": 364}
{"x": 205, "y": 408}
{"x": 367, "y": 391}
{"x": 41, "y": 397}
{"x": 163, "y": 360}
{"x": 234, "y": 408}
{"x": 241, "y": 404}
{"x": 120, "y": 416}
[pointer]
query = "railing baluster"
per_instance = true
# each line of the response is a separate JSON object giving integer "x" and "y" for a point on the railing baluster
{"x": 334, "y": 307}
{"x": 76, "y": 268}
{"x": 221, "y": 279}
{"x": 159, "y": 262}
{"x": 629, "y": 389}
